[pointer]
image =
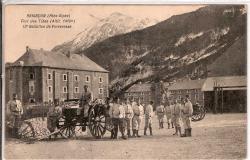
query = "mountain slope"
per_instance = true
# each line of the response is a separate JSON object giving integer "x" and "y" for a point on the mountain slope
{"x": 115, "y": 24}
{"x": 172, "y": 48}
{"x": 232, "y": 62}
{"x": 179, "y": 47}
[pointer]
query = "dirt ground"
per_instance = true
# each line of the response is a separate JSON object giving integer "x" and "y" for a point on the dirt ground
{"x": 221, "y": 136}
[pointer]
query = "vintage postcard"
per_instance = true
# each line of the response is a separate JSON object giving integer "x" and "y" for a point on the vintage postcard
{"x": 124, "y": 81}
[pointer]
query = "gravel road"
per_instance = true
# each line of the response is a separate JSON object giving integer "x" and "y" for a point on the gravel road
{"x": 220, "y": 136}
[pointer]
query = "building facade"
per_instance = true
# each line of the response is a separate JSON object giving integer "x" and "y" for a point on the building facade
{"x": 140, "y": 91}
{"x": 217, "y": 94}
{"x": 225, "y": 94}
{"x": 192, "y": 88}
{"x": 41, "y": 76}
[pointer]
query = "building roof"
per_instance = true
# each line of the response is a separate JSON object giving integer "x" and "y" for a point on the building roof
{"x": 34, "y": 57}
{"x": 188, "y": 84}
{"x": 208, "y": 84}
{"x": 233, "y": 82}
{"x": 144, "y": 87}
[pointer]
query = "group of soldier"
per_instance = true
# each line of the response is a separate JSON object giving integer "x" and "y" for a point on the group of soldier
{"x": 175, "y": 112}
{"x": 123, "y": 114}
{"x": 126, "y": 115}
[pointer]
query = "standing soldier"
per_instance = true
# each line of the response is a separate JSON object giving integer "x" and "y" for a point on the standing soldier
{"x": 137, "y": 118}
{"x": 168, "y": 114}
{"x": 176, "y": 113}
{"x": 111, "y": 120}
{"x": 160, "y": 114}
{"x": 53, "y": 116}
{"x": 118, "y": 115}
{"x": 187, "y": 112}
{"x": 128, "y": 116}
{"x": 148, "y": 118}
{"x": 85, "y": 100}
{"x": 15, "y": 109}
{"x": 122, "y": 121}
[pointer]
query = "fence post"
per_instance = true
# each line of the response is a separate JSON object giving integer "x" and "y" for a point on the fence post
{"x": 43, "y": 109}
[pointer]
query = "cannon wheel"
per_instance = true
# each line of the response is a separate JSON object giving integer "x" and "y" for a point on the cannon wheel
{"x": 68, "y": 131}
{"x": 67, "y": 127}
{"x": 203, "y": 113}
{"x": 26, "y": 131}
{"x": 97, "y": 121}
{"x": 199, "y": 115}
{"x": 196, "y": 116}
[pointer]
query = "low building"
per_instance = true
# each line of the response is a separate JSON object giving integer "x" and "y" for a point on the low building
{"x": 142, "y": 91}
{"x": 217, "y": 94}
{"x": 42, "y": 76}
{"x": 192, "y": 88}
{"x": 226, "y": 94}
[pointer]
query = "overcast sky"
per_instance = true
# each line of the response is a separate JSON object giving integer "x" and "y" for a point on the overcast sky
{"x": 16, "y": 38}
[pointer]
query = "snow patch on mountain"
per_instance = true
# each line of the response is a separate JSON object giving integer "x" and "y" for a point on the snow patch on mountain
{"x": 115, "y": 24}
{"x": 190, "y": 36}
{"x": 218, "y": 33}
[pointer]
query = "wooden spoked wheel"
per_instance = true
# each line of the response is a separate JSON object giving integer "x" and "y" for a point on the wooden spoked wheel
{"x": 26, "y": 131}
{"x": 68, "y": 131}
{"x": 67, "y": 126}
{"x": 196, "y": 117}
{"x": 97, "y": 121}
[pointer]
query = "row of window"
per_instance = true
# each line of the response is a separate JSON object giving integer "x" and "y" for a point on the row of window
{"x": 65, "y": 77}
{"x": 196, "y": 96}
{"x": 184, "y": 91}
{"x": 76, "y": 89}
{"x": 76, "y": 78}
{"x": 136, "y": 93}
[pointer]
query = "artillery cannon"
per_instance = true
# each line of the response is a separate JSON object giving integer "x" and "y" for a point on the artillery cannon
{"x": 71, "y": 123}
{"x": 199, "y": 112}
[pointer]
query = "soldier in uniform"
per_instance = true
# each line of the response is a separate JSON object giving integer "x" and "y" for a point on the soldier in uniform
{"x": 15, "y": 109}
{"x": 187, "y": 111}
{"x": 148, "y": 118}
{"x": 111, "y": 105}
{"x": 137, "y": 118}
{"x": 53, "y": 116}
{"x": 85, "y": 100}
{"x": 128, "y": 116}
{"x": 176, "y": 113}
{"x": 160, "y": 111}
{"x": 118, "y": 115}
{"x": 168, "y": 114}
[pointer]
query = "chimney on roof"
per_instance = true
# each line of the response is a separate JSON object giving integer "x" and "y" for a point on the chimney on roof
{"x": 68, "y": 54}
{"x": 27, "y": 49}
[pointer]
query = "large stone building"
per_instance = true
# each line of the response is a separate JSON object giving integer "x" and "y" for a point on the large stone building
{"x": 42, "y": 76}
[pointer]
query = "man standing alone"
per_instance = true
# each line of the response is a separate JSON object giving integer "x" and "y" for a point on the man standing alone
{"x": 187, "y": 112}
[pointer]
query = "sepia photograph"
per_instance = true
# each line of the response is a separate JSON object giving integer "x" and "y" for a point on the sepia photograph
{"x": 124, "y": 81}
